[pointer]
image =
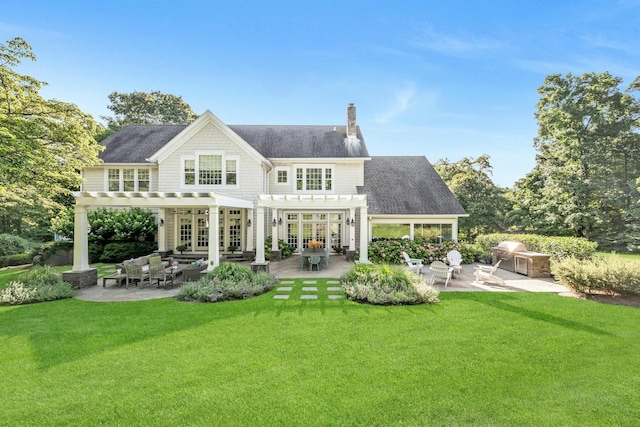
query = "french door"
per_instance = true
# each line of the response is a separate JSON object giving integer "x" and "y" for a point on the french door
{"x": 193, "y": 229}
{"x": 301, "y": 227}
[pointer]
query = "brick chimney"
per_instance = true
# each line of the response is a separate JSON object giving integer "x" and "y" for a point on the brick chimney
{"x": 351, "y": 121}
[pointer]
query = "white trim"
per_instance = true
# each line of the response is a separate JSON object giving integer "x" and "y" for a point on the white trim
{"x": 305, "y": 166}
{"x": 312, "y": 201}
{"x": 286, "y": 169}
{"x": 120, "y": 168}
{"x": 196, "y": 159}
{"x": 158, "y": 199}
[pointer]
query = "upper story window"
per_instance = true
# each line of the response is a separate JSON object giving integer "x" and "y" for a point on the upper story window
{"x": 210, "y": 169}
{"x": 282, "y": 175}
{"x": 128, "y": 179}
{"x": 314, "y": 178}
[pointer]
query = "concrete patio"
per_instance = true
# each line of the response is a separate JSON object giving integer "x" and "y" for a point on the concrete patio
{"x": 338, "y": 265}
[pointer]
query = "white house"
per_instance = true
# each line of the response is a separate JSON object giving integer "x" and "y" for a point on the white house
{"x": 216, "y": 186}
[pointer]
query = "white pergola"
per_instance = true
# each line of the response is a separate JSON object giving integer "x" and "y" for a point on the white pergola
{"x": 317, "y": 202}
{"x": 159, "y": 200}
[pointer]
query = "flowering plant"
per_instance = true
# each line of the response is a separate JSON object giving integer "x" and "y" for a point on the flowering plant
{"x": 314, "y": 244}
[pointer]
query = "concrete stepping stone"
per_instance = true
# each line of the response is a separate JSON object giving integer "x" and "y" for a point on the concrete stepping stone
{"x": 285, "y": 288}
{"x": 310, "y": 288}
{"x": 309, "y": 297}
{"x": 281, "y": 297}
{"x": 333, "y": 282}
{"x": 335, "y": 296}
{"x": 286, "y": 282}
{"x": 309, "y": 282}
{"x": 334, "y": 288}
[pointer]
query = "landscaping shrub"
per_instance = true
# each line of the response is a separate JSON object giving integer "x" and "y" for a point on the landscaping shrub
{"x": 611, "y": 275}
{"x": 38, "y": 284}
{"x": 285, "y": 249}
{"x": 118, "y": 251}
{"x": 19, "y": 259}
{"x": 558, "y": 247}
{"x": 227, "y": 281}
{"x": 14, "y": 245}
{"x": 383, "y": 284}
{"x": 389, "y": 251}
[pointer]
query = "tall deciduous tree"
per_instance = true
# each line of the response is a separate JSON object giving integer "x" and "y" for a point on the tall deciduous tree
{"x": 470, "y": 180}
{"x": 584, "y": 182}
{"x": 43, "y": 145}
{"x": 147, "y": 108}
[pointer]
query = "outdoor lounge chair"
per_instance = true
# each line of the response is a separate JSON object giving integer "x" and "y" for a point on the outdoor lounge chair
{"x": 413, "y": 263}
{"x": 484, "y": 273}
{"x": 158, "y": 272}
{"x": 440, "y": 270}
{"x": 455, "y": 261}
{"x": 134, "y": 273}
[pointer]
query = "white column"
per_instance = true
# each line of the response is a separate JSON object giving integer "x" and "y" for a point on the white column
{"x": 454, "y": 229}
{"x": 80, "y": 239}
{"x": 214, "y": 237}
{"x": 364, "y": 235}
{"x": 260, "y": 234}
{"x": 274, "y": 234}
{"x": 250, "y": 229}
{"x": 352, "y": 230}
{"x": 162, "y": 227}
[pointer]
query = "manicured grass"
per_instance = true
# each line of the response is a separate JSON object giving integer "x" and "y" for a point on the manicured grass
{"x": 8, "y": 275}
{"x": 499, "y": 359}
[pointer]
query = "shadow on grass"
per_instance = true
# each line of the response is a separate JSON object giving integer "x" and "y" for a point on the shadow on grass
{"x": 509, "y": 302}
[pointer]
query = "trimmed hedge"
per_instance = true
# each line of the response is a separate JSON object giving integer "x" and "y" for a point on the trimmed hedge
{"x": 610, "y": 275}
{"x": 14, "y": 245}
{"x": 389, "y": 251}
{"x": 557, "y": 247}
{"x": 118, "y": 251}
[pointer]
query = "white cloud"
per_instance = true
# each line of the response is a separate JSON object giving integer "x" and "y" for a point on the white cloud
{"x": 402, "y": 101}
{"x": 469, "y": 46}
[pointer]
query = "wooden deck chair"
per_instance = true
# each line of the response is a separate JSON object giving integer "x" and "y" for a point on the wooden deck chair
{"x": 440, "y": 270}
{"x": 159, "y": 273}
{"x": 413, "y": 263}
{"x": 134, "y": 273}
{"x": 485, "y": 273}
{"x": 455, "y": 261}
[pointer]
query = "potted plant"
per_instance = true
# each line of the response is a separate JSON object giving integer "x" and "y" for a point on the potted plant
{"x": 181, "y": 248}
{"x": 313, "y": 244}
{"x": 232, "y": 249}
{"x": 338, "y": 249}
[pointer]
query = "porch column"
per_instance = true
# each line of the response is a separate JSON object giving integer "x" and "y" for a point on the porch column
{"x": 80, "y": 239}
{"x": 214, "y": 237}
{"x": 162, "y": 234}
{"x": 352, "y": 230}
{"x": 454, "y": 230}
{"x": 274, "y": 234}
{"x": 364, "y": 237}
{"x": 250, "y": 229}
{"x": 260, "y": 234}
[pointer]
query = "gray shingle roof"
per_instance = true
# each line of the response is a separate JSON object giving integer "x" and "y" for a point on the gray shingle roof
{"x": 135, "y": 143}
{"x": 406, "y": 185}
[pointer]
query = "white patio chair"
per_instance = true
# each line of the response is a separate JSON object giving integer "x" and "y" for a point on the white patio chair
{"x": 413, "y": 263}
{"x": 455, "y": 261}
{"x": 484, "y": 273}
{"x": 440, "y": 270}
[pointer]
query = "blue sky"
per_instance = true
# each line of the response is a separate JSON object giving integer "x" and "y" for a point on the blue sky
{"x": 443, "y": 79}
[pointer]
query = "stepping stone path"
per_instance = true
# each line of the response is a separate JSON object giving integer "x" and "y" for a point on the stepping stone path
{"x": 313, "y": 290}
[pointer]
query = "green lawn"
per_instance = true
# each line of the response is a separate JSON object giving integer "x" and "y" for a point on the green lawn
{"x": 498, "y": 359}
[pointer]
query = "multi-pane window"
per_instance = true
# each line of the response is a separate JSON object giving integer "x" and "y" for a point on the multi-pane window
{"x": 210, "y": 169}
{"x": 314, "y": 178}
{"x": 283, "y": 176}
{"x": 114, "y": 179}
{"x": 128, "y": 179}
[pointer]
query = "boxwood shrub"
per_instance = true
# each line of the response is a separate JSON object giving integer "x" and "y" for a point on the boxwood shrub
{"x": 611, "y": 275}
{"x": 384, "y": 284}
{"x": 558, "y": 247}
{"x": 389, "y": 251}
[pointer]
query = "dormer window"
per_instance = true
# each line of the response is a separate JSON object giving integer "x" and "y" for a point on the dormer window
{"x": 210, "y": 169}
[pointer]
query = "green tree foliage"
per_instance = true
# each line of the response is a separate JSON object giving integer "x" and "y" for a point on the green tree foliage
{"x": 147, "y": 108}
{"x": 588, "y": 161}
{"x": 470, "y": 180}
{"x": 133, "y": 224}
{"x": 43, "y": 145}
